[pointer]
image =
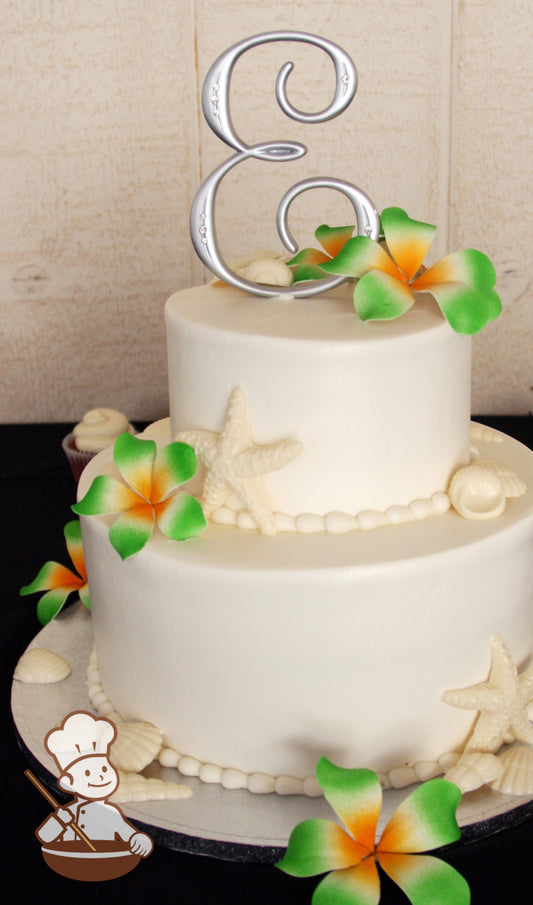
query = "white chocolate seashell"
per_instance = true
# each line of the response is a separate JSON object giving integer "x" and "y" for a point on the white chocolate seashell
{"x": 474, "y": 770}
{"x": 517, "y": 772}
{"x": 477, "y": 492}
{"x": 41, "y": 666}
{"x": 241, "y": 264}
{"x": 267, "y": 270}
{"x": 135, "y": 787}
{"x": 136, "y": 746}
{"x": 513, "y": 485}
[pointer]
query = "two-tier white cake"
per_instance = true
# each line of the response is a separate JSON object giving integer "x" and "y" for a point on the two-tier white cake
{"x": 337, "y": 629}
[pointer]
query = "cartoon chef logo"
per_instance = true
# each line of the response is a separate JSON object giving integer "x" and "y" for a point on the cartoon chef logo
{"x": 89, "y": 837}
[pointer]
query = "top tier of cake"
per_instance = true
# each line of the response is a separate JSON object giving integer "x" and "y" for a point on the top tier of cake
{"x": 381, "y": 409}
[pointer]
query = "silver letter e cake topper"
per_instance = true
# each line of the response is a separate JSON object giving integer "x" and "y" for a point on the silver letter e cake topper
{"x": 216, "y": 109}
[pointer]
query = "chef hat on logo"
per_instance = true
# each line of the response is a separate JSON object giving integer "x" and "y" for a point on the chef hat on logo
{"x": 80, "y": 735}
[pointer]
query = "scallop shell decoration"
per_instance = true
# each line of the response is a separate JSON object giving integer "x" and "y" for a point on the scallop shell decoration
{"x": 474, "y": 770}
{"x": 41, "y": 667}
{"x": 136, "y": 746}
{"x": 480, "y": 490}
{"x": 517, "y": 773}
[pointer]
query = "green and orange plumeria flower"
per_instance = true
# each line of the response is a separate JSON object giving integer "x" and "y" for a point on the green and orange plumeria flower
{"x": 307, "y": 262}
{"x": 424, "y": 821}
{"x": 461, "y": 283}
{"x": 150, "y": 496}
{"x": 59, "y": 582}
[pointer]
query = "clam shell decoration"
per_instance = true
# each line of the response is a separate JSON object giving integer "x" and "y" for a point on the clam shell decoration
{"x": 136, "y": 746}
{"x": 134, "y": 787}
{"x": 41, "y": 667}
{"x": 517, "y": 772}
{"x": 480, "y": 490}
{"x": 474, "y": 770}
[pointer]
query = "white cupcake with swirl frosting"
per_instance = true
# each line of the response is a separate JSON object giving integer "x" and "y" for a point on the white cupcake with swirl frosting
{"x": 98, "y": 429}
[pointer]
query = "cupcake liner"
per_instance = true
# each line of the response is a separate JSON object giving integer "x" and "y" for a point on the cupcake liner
{"x": 77, "y": 458}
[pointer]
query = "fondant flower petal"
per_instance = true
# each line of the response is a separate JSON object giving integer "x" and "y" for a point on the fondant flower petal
{"x": 425, "y": 879}
{"x": 466, "y": 309}
{"x": 354, "y": 886}
{"x": 84, "y": 596}
{"x": 180, "y": 516}
{"x": 407, "y": 240}
{"x": 306, "y": 264}
{"x": 50, "y": 604}
{"x": 75, "y": 546}
{"x": 468, "y": 266}
{"x": 106, "y": 495}
{"x": 174, "y": 464}
{"x": 309, "y": 256}
{"x": 132, "y": 530}
{"x": 333, "y": 238}
{"x": 356, "y": 796}
{"x": 309, "y": 272}
{"x": 317, "y": 846}
{"x": 379, "y": 296}
{"x": 359, "y": 256}
{"x": 134, "y": 459}
{"x": 424, "y": 820}
{"x": 52, "y": 575}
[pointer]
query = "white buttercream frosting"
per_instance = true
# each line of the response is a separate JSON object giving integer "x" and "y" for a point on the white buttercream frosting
{"x": 99, "y": 428}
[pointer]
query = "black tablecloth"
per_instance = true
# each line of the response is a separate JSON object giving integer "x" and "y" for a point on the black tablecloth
{"x": 37, "y": 490}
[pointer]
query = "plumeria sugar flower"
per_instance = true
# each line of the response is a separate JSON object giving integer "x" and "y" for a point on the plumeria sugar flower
{"x": 148, "y": 495}
{"x": 57, "y": 581}
{"x": 307, "y": 262}
{"x": 462, "y": 282}
{"x": 350, "y": 855}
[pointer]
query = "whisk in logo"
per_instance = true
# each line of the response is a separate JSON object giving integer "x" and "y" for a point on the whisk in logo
{"x": 88, "y": 838}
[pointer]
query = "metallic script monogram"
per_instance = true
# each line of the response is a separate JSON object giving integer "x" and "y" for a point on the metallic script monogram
{"x": 216, "y": 108}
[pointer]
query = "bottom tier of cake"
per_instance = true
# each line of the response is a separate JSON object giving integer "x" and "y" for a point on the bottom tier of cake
{"x": 264, "y": 653}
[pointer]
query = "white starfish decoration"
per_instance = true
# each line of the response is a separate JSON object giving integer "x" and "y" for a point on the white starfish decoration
{"x": 234, "y": 462}
{"x": 502, "y": 701}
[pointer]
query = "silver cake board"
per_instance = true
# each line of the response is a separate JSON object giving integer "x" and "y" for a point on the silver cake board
{"x": 232, "y": 825}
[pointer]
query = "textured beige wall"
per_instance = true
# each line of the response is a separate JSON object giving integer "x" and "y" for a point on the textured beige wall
{"x": 102, "y": 148}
